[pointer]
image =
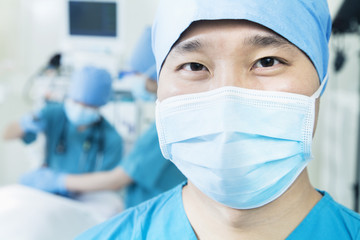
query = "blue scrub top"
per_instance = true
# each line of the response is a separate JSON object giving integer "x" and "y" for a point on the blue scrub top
{"x": 164, "y": 217}
{"x": 75, "y": 159}
{"x": 151, "y": 173}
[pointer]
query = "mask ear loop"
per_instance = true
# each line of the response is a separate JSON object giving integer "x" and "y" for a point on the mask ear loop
{"x": 321, "y": 89}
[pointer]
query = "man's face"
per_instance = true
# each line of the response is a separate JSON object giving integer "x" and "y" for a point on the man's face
{"x": 213, "y": 54}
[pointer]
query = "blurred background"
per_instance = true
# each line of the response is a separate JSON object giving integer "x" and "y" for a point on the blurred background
{"x": 36, "y": 35}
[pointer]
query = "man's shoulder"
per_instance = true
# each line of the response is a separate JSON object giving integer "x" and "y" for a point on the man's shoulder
{"x": 338, "y": 221}
{"x": 54, "y": 106}
{"x": 52, "y": 110}
{"x": 341, "y": 214}
{"x": 145, "y": 221}
{"x": 329, "y": 220}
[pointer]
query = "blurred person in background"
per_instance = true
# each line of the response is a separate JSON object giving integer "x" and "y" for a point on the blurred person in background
{"x": 78, "y": 139}
{"x": 144, "y": 172}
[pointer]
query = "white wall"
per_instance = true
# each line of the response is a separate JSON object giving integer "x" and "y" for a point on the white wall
{"x": 11, "y": 77}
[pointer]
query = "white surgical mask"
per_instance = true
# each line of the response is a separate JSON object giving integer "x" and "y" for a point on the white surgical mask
{"x": 80, "y": 115}
{"x": 243, "y": 148}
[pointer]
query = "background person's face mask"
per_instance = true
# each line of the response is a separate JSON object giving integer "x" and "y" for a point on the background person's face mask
{"x": 241, "y": 147}
{"x": 80, "y": 115}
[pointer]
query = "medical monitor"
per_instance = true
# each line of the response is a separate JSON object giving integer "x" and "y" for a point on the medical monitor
{"x": 89, "y": 18}
{"x": 94, "y": 26}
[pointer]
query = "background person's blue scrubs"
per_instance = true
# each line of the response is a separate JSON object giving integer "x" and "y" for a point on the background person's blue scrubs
{"x": 74, "y": 159}
{"x": 164, "y": 217}
{"x": 151, "y": 172}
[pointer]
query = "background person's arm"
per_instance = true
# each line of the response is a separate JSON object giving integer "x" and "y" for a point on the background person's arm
{"x": 29, "y": 123}
{"x": 114, "y": 179}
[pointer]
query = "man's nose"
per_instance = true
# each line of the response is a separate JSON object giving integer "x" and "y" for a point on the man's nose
{"x": 230, "y": 75}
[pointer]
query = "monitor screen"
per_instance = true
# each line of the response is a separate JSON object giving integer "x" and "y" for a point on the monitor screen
{"x": 92, "y": 18}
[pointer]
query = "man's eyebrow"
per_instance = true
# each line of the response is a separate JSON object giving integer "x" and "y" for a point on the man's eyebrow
{"x": 267, "y": 41}
{"x": 262, "y": 41}
{"x": 188, "y": 46}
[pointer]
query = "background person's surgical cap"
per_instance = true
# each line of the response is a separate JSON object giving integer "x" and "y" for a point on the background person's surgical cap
{"x": 142, "y": 59}
{"x": 305, "y": 23}
{"x": 91, "y": 86}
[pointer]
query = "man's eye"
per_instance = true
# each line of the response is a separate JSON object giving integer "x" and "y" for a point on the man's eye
{"x": 194, "y": 67}
{"x": 266, "y": 62}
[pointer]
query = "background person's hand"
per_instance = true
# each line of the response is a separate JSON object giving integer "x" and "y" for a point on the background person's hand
{"x": 30, "y": 123}
{"x": 47, "y": 180}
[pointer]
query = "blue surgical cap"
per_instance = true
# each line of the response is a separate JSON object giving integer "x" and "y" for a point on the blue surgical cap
{"x": 305, "y": 23}
{"x": 142, "y": 59}
{"x": 91, "y": 86}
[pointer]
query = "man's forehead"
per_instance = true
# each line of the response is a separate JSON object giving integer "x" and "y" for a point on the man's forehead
{"x": 256, "y": 35}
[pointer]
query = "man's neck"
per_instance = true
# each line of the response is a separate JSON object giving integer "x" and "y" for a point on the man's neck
{"x": 275, "y": 220}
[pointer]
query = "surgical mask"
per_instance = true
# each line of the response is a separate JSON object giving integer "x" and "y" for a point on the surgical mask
{"x": 80, "y": 115}
{"x": 138, "y": 88}
{"x": 242, "y": 148}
